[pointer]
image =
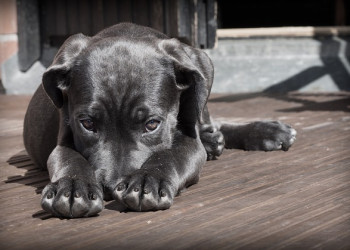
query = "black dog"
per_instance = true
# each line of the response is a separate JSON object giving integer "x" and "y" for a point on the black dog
{"x": 122, "y": 115}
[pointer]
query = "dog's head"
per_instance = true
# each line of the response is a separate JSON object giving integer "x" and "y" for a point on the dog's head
{"x": 125, "y": 95}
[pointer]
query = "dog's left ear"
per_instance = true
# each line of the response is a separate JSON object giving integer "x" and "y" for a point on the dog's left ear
{"x": 55, "y": 79}
{"x": 194, "y": 74}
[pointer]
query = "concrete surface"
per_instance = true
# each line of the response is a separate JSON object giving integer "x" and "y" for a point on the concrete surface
{"x": 281, "y": 64}
{"x": 16, "y": 82}
{"x": 242, "y": 65}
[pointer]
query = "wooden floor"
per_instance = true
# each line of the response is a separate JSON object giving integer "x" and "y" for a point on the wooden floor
{"x": 248, "y": 200}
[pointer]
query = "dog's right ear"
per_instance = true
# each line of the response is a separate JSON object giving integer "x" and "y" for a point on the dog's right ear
{"x": 55, "y": 79}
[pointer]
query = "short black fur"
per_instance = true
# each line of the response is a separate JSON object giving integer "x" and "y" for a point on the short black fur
{"x": 86, "y": 122}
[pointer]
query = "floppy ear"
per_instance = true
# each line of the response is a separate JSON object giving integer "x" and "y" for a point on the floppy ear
{"x": 55, "y": 79}
{"x": 194, "y": 76}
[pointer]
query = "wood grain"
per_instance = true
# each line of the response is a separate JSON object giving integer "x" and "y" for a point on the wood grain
{"x": 298, "y": 199}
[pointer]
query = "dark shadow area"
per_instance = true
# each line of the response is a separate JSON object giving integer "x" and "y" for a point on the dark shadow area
{"x": 38, "y": 178}
{"x": 298, "y": 81}
{"x": 34, "y": 176}
{"x": 341, "y": 100}
{"x": 332, "y": 66}
{"x": 254, "y": 13}
{"x": 342, "y": 104}
{"x": 42, "y": 215}
{"x": 236, "y": 97}
{"x": 116, "y": 206}
{"x": 335, "y": 56}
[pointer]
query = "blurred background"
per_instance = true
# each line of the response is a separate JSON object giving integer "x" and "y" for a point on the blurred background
{"x": 255, "y": 45}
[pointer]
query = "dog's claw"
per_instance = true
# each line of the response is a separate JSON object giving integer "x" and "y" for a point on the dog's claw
{"x": 143, "y": 191}
{"x": 56, "y": 198}
{"x": 212, "y": 140}
{"x": 162, "y": 193}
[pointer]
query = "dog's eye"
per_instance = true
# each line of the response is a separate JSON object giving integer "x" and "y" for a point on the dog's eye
{"x": 88, "y": 124}
{"x": 152, "y": 125}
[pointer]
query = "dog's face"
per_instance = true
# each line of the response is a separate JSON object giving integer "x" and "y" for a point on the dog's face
{"x": 122, "y": 108}
{"x": 123, "y": 98}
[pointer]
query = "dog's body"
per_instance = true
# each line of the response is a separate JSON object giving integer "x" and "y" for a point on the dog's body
{"x": 123, "y": 115}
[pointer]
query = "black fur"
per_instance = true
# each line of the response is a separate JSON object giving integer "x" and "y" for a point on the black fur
{"x": 91, "y": 122}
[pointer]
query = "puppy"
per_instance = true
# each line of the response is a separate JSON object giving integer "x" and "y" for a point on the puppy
{"x": 122, "y": 115}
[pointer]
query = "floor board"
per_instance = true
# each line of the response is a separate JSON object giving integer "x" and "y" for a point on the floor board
{"x": 244, "y": 200}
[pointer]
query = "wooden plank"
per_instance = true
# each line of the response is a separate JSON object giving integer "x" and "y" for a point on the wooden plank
{"x": 211, "y": 22}
{"x": 340, "y": 13}
{"x": 48, "y": 22}
{"x": 28, "y": 33}
{"x": 125, "y": 11}
{"x": 171, "y": 18}
{"x": 202, "y": 24}
{"x": 157, "y": 15}
{"x": 97, "y": 16}
{"x": 61, "y": 17}
{"x": 141, "y": 12}
{"x": 185, "y": 21}
{"x": 251, "y": 200}
{"x": 110, "y": 12}
{"x": 194, "y": 23}
{"x": 284, "y": 31}
{"x": 73, "y": 17}
{"x": 85, "y": 18}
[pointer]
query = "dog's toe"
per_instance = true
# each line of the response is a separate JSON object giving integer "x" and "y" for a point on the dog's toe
{"x": 144, "y": 191}
{"x": 213, "y": 142}
{"x": 288, "y": 137}
{"x": 72, "y": 198}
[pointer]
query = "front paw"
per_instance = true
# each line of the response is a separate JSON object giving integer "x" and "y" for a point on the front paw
{"x": 72, "y": 198}
{"x": 145, "y": 190}
{"x": 270, "y": 136}
{"x": 213, "y": 141}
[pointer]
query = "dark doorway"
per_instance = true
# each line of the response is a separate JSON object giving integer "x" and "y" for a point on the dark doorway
{"x": 274, "y": 13}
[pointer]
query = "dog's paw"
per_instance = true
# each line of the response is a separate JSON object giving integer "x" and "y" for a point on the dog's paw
{"x": 72, "y": 198}
{"x": 145, "y": 190}
{"x": 269, "y": 136}
{"x": 213, "y": 141}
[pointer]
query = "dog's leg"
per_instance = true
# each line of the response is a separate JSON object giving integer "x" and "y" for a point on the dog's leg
{"x": 40, "y": 129}
{"x": 211, "y": 137}
{"x": 261, "y": 135}
{"x": 73, "y": 191}
{"x": 162, "y": 176}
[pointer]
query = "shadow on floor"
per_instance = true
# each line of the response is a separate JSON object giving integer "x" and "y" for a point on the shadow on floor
{"x": 334, "y": 54}
{"x": 34, "y": 177}
{"x": 340, "y": 102}
{"x": 38, "y": 178}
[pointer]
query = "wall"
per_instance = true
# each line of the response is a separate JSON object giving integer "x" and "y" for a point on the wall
{"x": 281, "y": 64}
{"x": 8, "y": 30}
